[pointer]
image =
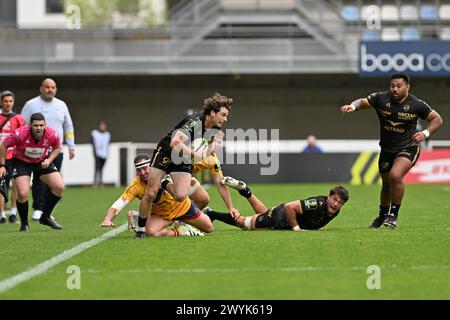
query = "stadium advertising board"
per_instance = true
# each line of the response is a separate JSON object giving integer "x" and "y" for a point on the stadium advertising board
{"x": 416, "y": 58}
{"x": 354, "y": 168}
{"x": 432, "y": 167}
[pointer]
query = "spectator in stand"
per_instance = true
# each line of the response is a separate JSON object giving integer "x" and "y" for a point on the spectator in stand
{"x": 311, "y": 145}
{"x": 100, "y": 145}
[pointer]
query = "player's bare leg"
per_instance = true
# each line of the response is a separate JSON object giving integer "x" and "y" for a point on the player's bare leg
{"x": 179, "y": 189}
{"x": 241, "y": 187}
{"x": 2, "y": 210}
{"x": 385, "y": 194}
{"x": 12, "y": 215}
{"x": 154, "y": 181}
{"x": 156, "y": 226}
{"x": 159, "y": 227}
{"x": 257, "y": 205}
{"x": 399, "y": 169}
{"x": 202, "y": 222}
{"x": 247, "y": 223}
{"x": 198, "y": 194}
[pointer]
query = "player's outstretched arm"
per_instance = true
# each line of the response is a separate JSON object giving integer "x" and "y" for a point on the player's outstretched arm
{"x": 356, "y": 105}
{"x": 107, "y": 221}
{"x": 225, "y": 194}
{"x": 113, "y": 212}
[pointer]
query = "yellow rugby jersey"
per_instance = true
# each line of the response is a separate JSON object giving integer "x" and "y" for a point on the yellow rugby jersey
{"x": 210, "y": 162}
{"x": 135, "y": 189}
{"x": 168, "y": 208}
{"x": 164, "y": 206}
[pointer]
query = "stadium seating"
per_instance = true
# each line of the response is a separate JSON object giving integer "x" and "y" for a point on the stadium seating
{"x": 398, "y": 20}
{"x": 371, "y": 35}
{"x": 410, "y": 34}
{"x": 389, "y": 12}
{"x": 390, "y": 34}
{"x": 444, "y": 12}
{"x": 445, "y": 34}
{"x": 409, "y": 12}
{"x": 350, "y": 13}
{"x": 428, "y": 12}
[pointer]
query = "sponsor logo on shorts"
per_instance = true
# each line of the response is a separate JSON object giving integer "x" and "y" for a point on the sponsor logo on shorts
{"x": 384, "y": 165}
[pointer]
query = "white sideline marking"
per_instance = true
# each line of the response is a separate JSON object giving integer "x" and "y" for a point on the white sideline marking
{"x": 46, "y": 265}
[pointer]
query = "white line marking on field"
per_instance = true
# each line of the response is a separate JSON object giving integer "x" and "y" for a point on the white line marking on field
{"x": 46, "y": 265}
{"x": 282, "y": 269}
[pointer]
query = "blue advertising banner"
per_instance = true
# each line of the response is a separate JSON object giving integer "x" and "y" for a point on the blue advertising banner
{"x": 417, "y": 58}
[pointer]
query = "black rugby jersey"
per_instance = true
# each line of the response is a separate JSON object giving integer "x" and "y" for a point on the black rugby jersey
{"x": 192, "y": 125}
{"x": 315, "y": 214}
{"x": 398, "y": 121}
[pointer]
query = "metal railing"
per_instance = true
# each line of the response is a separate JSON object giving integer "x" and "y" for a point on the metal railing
{"x": 96, "y": 52}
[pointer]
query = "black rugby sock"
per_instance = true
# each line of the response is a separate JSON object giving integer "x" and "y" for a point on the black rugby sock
{"x": 394, "y": 209}
{"x": 49, "y": 204}
{"x": 224, "y": 217}
{"x": 142, "y": 222}
{"x": 384, "y": 211}
{"x": 247, "y": 193}
{"x": 164, "y": 184}
{"x": 22, "y": 208}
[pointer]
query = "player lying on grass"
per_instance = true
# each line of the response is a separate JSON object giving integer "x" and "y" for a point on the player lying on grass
{"x": 307, "y": 214}
{"x": 165, "y": 208}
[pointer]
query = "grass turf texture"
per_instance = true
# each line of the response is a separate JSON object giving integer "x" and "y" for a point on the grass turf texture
{"x": 234, "y": 264}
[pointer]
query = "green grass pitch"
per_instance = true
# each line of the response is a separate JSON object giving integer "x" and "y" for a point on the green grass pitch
{"x": 414, "y": 259}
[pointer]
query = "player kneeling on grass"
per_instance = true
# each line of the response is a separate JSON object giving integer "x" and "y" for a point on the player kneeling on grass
{"x": 165, "y": 210}
{"x": 135, "y": 189}
{"x": 32, "y": 155}
{"x": 309, "y": 214}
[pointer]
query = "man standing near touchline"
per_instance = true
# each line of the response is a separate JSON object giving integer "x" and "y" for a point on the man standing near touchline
{"x": 58, "y": 118}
